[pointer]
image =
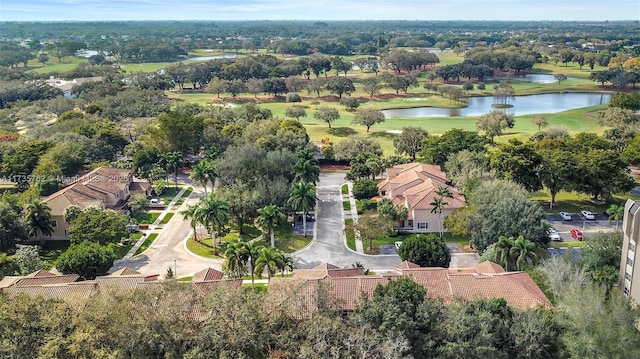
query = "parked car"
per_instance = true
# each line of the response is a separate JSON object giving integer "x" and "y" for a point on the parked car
{"x": 398, "y": 244}
{"x": 577, "y": 234}
{"x": 565, "y": 216}
{"x": 155, "y": 201}
{"x": 587, "y": 215}
{"x": 554, "y": 236}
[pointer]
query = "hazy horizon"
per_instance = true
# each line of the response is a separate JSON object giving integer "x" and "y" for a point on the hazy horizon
{"x": 451, "y": 10}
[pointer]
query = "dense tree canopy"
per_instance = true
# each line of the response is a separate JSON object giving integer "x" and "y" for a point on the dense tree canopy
{"x": 97, "y": 225}
{"x": 87, "y": 259}
{"x": 425, "y": 250}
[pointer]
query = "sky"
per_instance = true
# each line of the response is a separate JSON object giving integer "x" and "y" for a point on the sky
{"x": 217, "y": 10}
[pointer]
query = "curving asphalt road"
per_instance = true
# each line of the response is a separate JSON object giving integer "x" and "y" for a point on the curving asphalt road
{"x": 329, "y": 245}
{"x": 168, "y": 250}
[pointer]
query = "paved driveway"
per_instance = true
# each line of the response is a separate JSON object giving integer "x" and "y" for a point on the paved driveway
{"x": 329, "y": 245}
{"x": 168, "y": 249}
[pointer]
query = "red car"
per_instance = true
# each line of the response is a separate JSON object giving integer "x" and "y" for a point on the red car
{"x": 575, "y": 233}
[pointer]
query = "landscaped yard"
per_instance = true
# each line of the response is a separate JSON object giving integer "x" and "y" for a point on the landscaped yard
{"x": 285, "y": 240}
{"x": 346, "y": 206}
{"x": 187, "y": 192}
{"x": 203, "y": 248}
{"x": 351, "y": 237}
{"x": 574, "y": 202}
{"x": 53, "y": 250}
{"x": 167, "y": 217}
{"x": 147, "y": 242}
{"x": 572, "y": 244}
{"x": 363, "y": 205}
{"x": 170, "y": 192}
{"x": 288, "y": 243}
{"x": 345, "y": 189}
{"x": 120, "y": 250}
{"x": 146, "y": 217}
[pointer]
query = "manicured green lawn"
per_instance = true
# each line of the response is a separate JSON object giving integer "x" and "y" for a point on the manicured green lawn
{"x": 53, "y": 250}
{"x": 572, "y": 244}
{"x": 147, "y": 242}
{"x": 146, "y": 217}
{"x": 364, "y": 202}
{"x": 187, "y": 192}
{"x": 120, "y": 251}
{"x": 250, "y": 232}
{"x": 167, "y": 217}
{"x": 345, "y": 189}
{"x": 135, "y": 236}
{"x": 574, "y": 202}
{"x": 289, "y": 243}
{"x": 170, "y": 192}
{"x": 203, "y": 248}
{"x": 351, "y": 237}
{"x": 346, "y": 206}
{"x": 186, "y": 279}
{"x": 67, "y": 64}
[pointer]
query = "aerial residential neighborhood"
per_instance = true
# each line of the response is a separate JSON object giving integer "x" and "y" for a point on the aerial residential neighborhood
{"x": 406, "y": 181}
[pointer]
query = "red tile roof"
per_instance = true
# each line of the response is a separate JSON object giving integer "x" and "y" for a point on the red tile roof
{"x": 208, "y": 274}
{"x": 489, "y": 267}
{"x": 489, "y": 281}
{"x": 415, "y": 184}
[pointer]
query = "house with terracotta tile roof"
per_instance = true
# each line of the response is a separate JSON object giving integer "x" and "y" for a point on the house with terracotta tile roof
{"x": 210, "y": 278}
{"x": 415, "y": 185}
{"x": 103, "y": 187}
{"x": 487, "y": 280}
{"x": 70, "y": 288}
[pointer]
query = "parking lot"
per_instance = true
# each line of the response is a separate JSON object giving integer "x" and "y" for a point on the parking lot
{"x": 588, "y": 227}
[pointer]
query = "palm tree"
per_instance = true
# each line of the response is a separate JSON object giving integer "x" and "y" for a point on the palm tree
{"x": 214, "y": 214}
{"x": 616, "y": 212}
{"x": 444, "y": 191}
{"x": 503, "y": 251}
{"x": 436, "y": 207}
{"x": 253, "y": 249}
{"x": 200, "y": 173}
{"x": 269, "y": 218}
{"x": 269, "y": 258}
{"x": 306, "y": 168}
{"x": 173, "y": 161}
{"x": 303, "y": 198}
{"x": 38, "y": 218}
{"x": 192, "y": 213}
{"x": 287, "y": 263}
{"x": 306, "y": 155}
{"x": 306, "y": 171}
{"x": 236, "y": 258}
{"x": 523, "y": 251}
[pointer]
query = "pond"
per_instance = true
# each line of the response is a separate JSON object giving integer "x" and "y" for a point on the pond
{"x": 534, "y": 78}
{"x": 522, "y": 105}
{"x": 207, "y": 58}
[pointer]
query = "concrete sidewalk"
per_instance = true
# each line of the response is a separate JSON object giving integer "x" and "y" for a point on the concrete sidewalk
{"x": 354, "y": 216}
{"x": 155, "y": 224}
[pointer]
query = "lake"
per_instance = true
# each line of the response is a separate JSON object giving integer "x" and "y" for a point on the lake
{"x": 208, "y": 58}
{"x": 534, "y": 78}
{"x": 522, "y": 105}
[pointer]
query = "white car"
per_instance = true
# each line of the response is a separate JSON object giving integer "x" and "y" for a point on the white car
{"x": 155, "y": 201}
{"x": 587, "y": 215}
{"x": 554, "y": 236}
{"x": 398, "y": 244}
{"x": 565, "y": 216}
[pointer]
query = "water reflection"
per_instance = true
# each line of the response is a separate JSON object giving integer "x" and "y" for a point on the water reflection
{"x": 522, "y": 105}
